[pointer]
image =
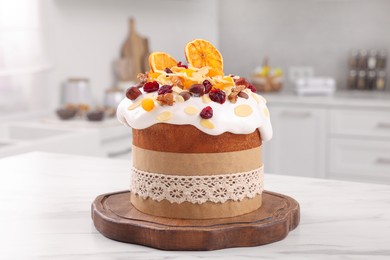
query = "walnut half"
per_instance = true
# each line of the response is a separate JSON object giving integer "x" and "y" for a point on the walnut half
{"x": 166, "y": 99}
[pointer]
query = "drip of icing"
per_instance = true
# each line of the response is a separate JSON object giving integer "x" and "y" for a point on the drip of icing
{"x": 224, "y": 117}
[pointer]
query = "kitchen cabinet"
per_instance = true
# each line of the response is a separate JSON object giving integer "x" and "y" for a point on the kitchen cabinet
{"x": 346, "y": 136}
{"x": 299, "y": 143}
{"x": 360, "y": 144}
{"x": 362, "y": 159}
{"x": 116, "y": 142}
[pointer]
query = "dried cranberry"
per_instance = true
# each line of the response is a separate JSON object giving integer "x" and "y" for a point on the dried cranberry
{"x": 182, "y": 65}
{"x": 151, "y": 86}
{"x": 168, "y": 70}
{"x": 241, "y": 81}
{"x": 206, "y": 112}
{"x": 132, "y": 93}
{"x": 252, "y": 88}
{"x": 197, "y": 90}
{"x": 217, "y": 95}
{"x": 165, "y": 89}
{"x": 207, "y": 86}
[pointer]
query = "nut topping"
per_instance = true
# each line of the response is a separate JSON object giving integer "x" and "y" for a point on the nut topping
{"x": 166, "y": 99}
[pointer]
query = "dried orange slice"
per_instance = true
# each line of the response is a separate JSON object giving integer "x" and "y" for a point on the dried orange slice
{"x": 201, "y": 53}
{"x": 158, "y": 61}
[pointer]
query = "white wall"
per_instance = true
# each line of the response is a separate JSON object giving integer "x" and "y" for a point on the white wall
{"x": 318, "y": 33}
{"x": 86, "y": 36}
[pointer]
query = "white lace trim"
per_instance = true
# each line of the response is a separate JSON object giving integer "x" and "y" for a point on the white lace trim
{"x": 197, "y": 189}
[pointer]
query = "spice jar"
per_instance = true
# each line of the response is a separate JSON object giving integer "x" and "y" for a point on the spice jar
{"x": 381, "y": 62}
{"x": 362, "y": 60}
{"x": 361, "y": 80}
{"x": 353, "y": 59}
{"x": 371, "y": 79}
{"x": 372, "y": 60}
{"x": 381, "y": 80}
{"x": 352, "y": 79}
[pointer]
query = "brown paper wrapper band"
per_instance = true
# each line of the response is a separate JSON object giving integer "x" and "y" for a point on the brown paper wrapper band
{"x": 187, "y": 210}
{"x": 190, "y": 164}
{"x": 196, "y": 163}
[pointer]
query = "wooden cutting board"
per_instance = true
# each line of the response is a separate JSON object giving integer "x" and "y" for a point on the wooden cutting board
{"x": 134, "y": 52}
{"x": 116, "y": 218}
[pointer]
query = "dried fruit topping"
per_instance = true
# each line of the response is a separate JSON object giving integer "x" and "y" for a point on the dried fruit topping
{"x": 252, "y": 88}
{"x": 142, "y": 77}
{"x": 201, "y": 53}
{"x": 186, "y": 95}
{"x": 217, "y": 95}
{"x": 152, "y": 76}
{"x": 179, "y": 64}
{"x": 241, "y": 81}
{"x": 177, "y": 81}
{"x": 165, "y": 89}
{"x": 207, "y": 86}
{"x": 151, "y": 86}
{"x": 147, "y": 104}
{"x": 234, "y": 93}
{"x": 166, "y": 99}
{"x": 158, "y": 61}
{"x": 168, "y": 70}
{"x": 206, "y": 112}
{"x": 132, "y": 93}
{"x": 243, "y": 95}
{"x": 197, "y": 90}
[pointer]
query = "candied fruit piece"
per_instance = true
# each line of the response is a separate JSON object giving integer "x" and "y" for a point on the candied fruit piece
{"x": 168, "y": 70}
{"x": 217, "y": 95}
{"x": 206, "y": 112}
{"x": 197, "y": 90}
{"x": 207, "y": 86}
{"x": 188, "y": 72}
{"x": 188, "y": 83}
{"x": 158, "y": 61}
{"x": 219, "y": 86}
{"x": 147, "y": 104}
{"x": 132, "y": 93}
{"x": 252, "y": 88}
{"x": 153, "y": 75}
{"x": 230, "y": 80}
{"x": 151, "y": 86}
{"x": 179, "y": 64}
{"x": 165, "y": 89}
{"x": 201, "y": 53}
{"x": 213, "y": 72}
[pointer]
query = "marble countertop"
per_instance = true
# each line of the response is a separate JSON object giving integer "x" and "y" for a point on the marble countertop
{"x": 354, "y": 99}
{"x": 45, "y": 214}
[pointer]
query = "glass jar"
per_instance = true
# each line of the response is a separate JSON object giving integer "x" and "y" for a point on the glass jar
{"x": 361, "y": 80}
{"x": 381, "y": 80}
{"x": 352, "y": 79}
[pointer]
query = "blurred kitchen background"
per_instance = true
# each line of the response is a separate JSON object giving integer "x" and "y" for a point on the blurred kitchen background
{"x": 321, "y": 64}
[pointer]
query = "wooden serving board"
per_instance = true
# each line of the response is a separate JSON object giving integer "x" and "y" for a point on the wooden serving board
{"x": 116, "y": 218}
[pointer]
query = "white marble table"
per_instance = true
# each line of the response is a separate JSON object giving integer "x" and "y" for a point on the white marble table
{"x": 45, "y": 204}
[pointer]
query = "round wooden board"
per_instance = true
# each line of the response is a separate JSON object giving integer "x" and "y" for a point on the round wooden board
{"x": 116, "y": 218}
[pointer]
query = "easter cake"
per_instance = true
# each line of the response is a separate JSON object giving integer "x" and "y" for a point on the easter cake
{"x": 197, "y": 137}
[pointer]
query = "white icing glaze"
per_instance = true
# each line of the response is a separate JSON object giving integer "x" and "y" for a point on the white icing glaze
{"x": 224, "y": 118}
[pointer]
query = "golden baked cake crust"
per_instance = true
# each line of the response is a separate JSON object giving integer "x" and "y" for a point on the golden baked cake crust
{"x": 188, "y": 139}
